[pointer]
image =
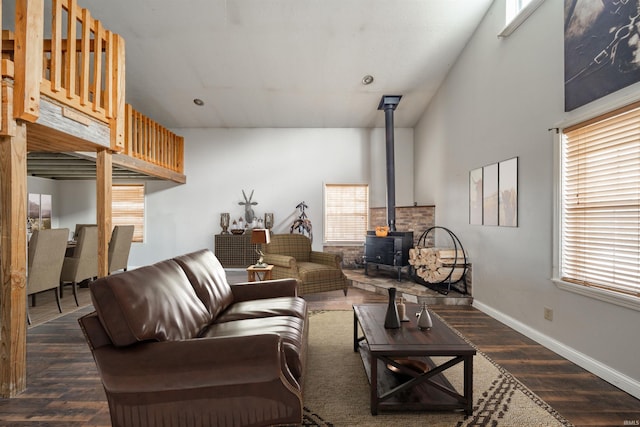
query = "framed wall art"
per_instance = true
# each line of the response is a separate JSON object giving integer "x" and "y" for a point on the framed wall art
{"x": 490, "y": 194}
{"x": 493, "y": 194}
{"x": 601, "y": 47}
{"x": 475, "y": 197}
{"x": 508, "y": 192}
{"x": 38, "y": 212}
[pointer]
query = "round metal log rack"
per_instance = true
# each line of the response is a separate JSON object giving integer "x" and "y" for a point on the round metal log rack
{"x": 443, "y": 286}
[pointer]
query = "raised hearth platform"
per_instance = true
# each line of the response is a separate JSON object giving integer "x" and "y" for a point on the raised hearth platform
{"x": 380, "y": 281}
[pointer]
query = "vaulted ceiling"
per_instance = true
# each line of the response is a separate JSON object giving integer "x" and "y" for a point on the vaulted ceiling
{"x": 286, "y": 63}
{"x": 276, "y": 63}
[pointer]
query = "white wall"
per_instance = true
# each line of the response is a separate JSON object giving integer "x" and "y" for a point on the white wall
{"x": 282, "y": 166}
{"x": 498, "y": 102}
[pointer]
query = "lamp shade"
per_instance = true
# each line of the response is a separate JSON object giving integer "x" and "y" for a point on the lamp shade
{"x": 260, "y": 235}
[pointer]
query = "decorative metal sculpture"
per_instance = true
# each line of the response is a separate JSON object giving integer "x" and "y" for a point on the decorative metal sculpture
{"x": 302, "y": 224}
{"x": 249, "y": 215}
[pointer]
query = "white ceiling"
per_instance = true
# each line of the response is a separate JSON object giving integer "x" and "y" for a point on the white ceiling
{"x": 286, "y": 63}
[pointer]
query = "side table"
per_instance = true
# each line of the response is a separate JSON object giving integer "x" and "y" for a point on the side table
{"x": 259, "y": 273}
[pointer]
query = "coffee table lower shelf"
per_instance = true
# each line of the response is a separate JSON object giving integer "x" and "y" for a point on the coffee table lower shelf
{"x": 424, "y": 392}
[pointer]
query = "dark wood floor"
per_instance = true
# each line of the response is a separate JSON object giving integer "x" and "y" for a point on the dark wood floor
{"x": 64, "y": 389}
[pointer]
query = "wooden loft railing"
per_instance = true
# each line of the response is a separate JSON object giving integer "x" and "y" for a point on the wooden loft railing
{"x": 147, "y": 140}
{"x": 85, "y": 81}
{"x": 83, "y": 66}
{"x": 79, "y": 65}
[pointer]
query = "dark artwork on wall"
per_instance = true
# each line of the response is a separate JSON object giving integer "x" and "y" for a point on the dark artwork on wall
{"x": 601, "y": 48}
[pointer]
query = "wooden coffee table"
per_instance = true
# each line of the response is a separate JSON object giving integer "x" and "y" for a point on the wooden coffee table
{"x": 418, "y": 383}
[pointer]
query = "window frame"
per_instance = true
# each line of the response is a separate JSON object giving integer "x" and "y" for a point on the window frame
{"x": 516, "y": 14}
{"x": 602, "y": 294}
{"x": 139, "y": 236}
{"x": 326, "y": 226}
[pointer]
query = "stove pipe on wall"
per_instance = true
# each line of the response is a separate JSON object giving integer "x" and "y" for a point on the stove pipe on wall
{"x": 388, "y": 103}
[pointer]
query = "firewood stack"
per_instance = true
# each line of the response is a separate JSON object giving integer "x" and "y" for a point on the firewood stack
{"x": 434, "y": 265}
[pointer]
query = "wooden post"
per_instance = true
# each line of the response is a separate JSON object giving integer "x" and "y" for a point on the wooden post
{"x": 103, "y": 191}
{"x": 28, "y": 58}
{"x": 13, "y": 258}
{"x": 119, "y": 110}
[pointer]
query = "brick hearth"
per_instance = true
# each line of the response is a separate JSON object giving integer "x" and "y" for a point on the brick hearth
{"x": 380, "y": 281}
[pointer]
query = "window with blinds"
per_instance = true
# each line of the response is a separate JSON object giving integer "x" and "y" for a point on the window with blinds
{"x": 600, "y": 228}
{"x": 127, "y": 207}
{"x": 346, "y": 213}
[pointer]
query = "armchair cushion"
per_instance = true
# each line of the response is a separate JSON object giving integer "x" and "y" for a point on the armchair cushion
{"x": 296, "y": 246}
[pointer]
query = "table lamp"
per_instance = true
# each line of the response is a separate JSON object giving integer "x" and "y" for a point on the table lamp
{"x": 260, "y": 236}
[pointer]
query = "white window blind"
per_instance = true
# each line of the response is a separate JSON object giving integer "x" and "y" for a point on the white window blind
{"x": 601, "y": 202}
{"x": 127, "y": 207}
{"x": 346, "y": 212}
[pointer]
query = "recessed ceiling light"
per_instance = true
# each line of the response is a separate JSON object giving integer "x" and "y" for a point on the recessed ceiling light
{"x": 199, "y": 102}
{"x": 367, "y": 80}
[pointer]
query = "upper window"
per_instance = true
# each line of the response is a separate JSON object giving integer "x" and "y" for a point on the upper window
{"x": 517, "y": 11}
{"x": 600, "y": 203}
{"x": 346, "y": 213}
{"x": 127, "y": 207}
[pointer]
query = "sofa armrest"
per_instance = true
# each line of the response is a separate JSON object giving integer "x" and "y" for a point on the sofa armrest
{"x": 285, "y": 261}
{"x": 325, "y": 258}
{"x": 178, "y": 366}
{"x": 247, "y": 291}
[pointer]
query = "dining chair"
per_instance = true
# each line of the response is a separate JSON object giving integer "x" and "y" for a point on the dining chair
{"x": 119, "y": 247}
{"x": 83, "y": 264}
{"x": 44, "y": 261}
{"x": 76, "y": 233}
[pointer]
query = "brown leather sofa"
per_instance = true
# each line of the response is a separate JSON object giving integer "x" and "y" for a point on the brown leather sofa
{"x": 176, "y": 345}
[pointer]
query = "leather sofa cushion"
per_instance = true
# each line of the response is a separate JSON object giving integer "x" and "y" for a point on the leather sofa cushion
{"x": 291, "y": 329}
{"x": 269, "y": 307}
{"x": 208, "y": 278}
{"x": 156, "y": 302}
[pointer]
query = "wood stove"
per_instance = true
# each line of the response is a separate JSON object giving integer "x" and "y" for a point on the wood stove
{"x": 390, "y": 251}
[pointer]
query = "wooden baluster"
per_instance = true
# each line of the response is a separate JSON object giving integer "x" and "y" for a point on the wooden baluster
{"x": 70, "y": 57}
{"x": 118, "y": 92}
{"x": 97, "y": 65}
{"x": 108, "y": 75}
{"x": 56, "y": 46}
{"x": 86, "y": 57}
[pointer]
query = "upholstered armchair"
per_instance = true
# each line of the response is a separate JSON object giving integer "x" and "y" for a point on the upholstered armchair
{"x": 291, "y": 256}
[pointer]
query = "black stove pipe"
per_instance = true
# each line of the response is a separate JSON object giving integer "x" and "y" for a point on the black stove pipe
{"x": 388, "y": 103}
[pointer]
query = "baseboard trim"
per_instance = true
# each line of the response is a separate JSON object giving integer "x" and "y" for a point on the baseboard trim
{"x": 618, "y": 379}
